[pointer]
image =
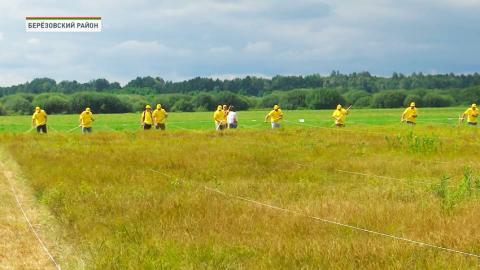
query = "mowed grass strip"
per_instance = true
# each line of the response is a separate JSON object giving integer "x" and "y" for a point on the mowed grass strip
{"x": 362, "y": 119}
{"x": 19, "y": 247}
{"x": 119, "y": 214}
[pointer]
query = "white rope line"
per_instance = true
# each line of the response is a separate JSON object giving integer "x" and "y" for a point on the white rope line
{"x": 389, "y": 178}
{"x": 70, "y": 130}
{"x": 42, "y": 244}
{"x": 61, "y": 134}
{"x": 159, "y": 172}
{"x": 451, "y": 250}
{"x": 28, "y": 131}
{"x": 382, "y": 177}
{"x": 302, "y": 124}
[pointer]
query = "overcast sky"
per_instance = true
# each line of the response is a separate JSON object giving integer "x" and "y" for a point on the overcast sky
{"x": 178, "y": 39}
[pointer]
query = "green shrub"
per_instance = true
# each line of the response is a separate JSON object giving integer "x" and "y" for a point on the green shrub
{"x": 294, "y": 99}
{"x": 269, "y": 101}
{"x": 436, "y": 100}
{"x": 98, "y": 102}
{"x": 17, "y": 104}
{"x": 183, "y": 105}
{"x": 413, "y": 98}
{"x": 229, "y": 98}
{"x": 364, "y": 102}
{"x": 470, "y": 95}
{"x": 389, "y": 99}
{"x": 324, "y": 99}
{"x": 169, "y": 100}
{"x": 52, "y": 102}
{"x": 351, "y": 97}
{"x": 204, "y": 102}
{"x": 453, "y": 195}
{"x": 136, "y": 103}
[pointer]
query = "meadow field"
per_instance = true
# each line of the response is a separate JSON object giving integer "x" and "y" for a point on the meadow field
{"x": 191, "y": 197}
{"x": 248, "y": 120}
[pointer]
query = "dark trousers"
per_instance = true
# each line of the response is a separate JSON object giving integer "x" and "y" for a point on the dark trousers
{"x": 160, "y": 126}
{"x": 42, "y": 129}
{"x": 86, "y": 129}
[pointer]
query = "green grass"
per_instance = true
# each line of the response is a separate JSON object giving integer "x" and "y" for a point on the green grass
{"x": 119, "y": 214}
{"x": 248, "y": 120}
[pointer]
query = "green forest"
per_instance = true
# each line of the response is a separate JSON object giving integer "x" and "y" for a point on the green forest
{"x": 204, "y": 94}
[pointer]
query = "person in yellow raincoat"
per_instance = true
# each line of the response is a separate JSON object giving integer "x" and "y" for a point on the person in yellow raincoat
{"x": 471, "y": 114}
{"x": 159, "y": 117}
{"x": 147, "y": 118}
{"x": 410, "y": 115}
{"x": 340, "y": 114}
{"x": 39, "y": 120}
{"x": 275, "y": 115}
{"x": 219, "y": 118}
{"x": 225, "y": 111}
{"x": 86, "y": 120}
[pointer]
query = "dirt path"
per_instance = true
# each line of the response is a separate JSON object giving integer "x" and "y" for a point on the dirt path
{"x": 19, "y": 247}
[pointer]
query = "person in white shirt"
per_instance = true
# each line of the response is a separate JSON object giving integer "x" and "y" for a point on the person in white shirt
{"x": 232, "y": 120}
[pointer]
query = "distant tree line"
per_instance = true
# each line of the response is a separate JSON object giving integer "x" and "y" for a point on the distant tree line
{"x": 204, "y": 94}
{"x": 253, "y": 86}
{"x": 313, "y": 98}
{"x": 58, "y": 103}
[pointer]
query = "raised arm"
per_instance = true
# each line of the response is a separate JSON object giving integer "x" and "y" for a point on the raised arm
{"x": 464, "y": 115}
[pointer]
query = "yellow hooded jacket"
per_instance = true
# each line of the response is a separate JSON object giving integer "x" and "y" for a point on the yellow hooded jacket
{"x": 410, "y": 114}
{"x": 86, "y": 119}
{"x": 340, "y": 115}
{"x": 147, "y": 117}
{"x": 472, "y": 115}
{"x": 275, "y": 115}
{"x": 219, "y": 116}
{"x": 160, "y": 115}
{"x": 40, "y": 117}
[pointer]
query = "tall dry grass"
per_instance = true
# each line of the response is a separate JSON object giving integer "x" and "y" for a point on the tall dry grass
{"x": 119, "y": 214}
{"x": 19, "y": 247}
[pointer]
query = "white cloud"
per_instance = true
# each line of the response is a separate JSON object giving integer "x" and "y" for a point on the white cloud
{"x": 141, "y": 45}
{"x": 258, "y": 47}
{"x": 178, "y": 39}
{"x": 150, "y": 47}
{"x": 33, "y": 41}
{"x": 220, "y": 50}
{"x": 8, "y": 78}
